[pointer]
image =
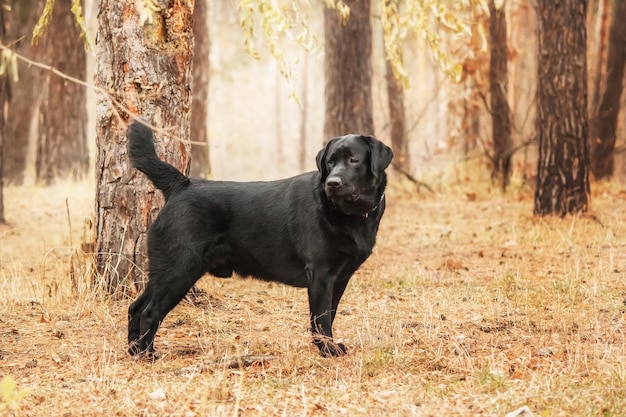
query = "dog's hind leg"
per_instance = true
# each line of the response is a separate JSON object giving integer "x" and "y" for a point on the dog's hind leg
{"x": 163, "y": 296}
{"x": 134, "y": 321}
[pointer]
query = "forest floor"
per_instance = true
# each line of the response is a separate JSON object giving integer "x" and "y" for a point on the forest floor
{"x": 469, "y": 305}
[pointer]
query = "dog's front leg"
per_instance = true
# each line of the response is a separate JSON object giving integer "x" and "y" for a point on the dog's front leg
{"x": 321, "y": 290}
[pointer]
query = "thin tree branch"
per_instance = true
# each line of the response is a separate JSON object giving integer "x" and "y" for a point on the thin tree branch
{"x": 120, "y": 107}
{"x": 414, "y": 180}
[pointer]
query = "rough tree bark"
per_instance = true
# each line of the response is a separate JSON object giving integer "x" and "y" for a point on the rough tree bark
{"x": 563, "y": 163}
{"x": 145, "y": 68}
{"x": 348, "y": 71}
{"x": 498, "y": 85}
{"x": 603, "y": 124}
{"x": 200, "y": 165}
{"x": 62, "y": 140}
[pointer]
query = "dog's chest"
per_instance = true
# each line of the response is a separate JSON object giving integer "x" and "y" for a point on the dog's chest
{"x": 358, "y": 242}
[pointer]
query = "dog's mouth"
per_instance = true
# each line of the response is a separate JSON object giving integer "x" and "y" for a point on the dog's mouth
{"x": 338, "y": 198}
{"x": 342, "y": 193}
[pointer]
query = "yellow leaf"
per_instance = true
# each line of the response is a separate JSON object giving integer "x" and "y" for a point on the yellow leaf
{"x": 9, "y": 397}
{"x": 14, "y": 68}
{"x": 457, "y": 72}
{"x": 7, "y": 386}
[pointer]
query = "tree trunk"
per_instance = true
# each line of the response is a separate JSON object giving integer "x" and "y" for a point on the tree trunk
{"x": 348, "y": 71}
{"x": 25, "y": 94}
{"x": 598, "y": 21}
{"x": 397, "y": 120}
{"x": 604, "y": 124}
{"x": 563, "y": 165}
{"x": 62, "y": 142}
{"x": 145, "y": 68}
{"x": 468, "y": 108}
{"x": 200, "y": 162}
{"x": 304, "y": 98}
{"x": 498, "y": 84}
{"x": 4, "y": 88}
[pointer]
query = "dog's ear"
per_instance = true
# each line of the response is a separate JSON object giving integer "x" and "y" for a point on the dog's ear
{"x": 320, "y": 159}
{"x": 380, "y": 155}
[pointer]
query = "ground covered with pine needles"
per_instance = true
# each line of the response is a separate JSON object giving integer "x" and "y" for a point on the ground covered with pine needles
{"x": 469, "y": 305}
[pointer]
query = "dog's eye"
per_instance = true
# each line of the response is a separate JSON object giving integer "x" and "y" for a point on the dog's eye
{"x": 354, "y": 160}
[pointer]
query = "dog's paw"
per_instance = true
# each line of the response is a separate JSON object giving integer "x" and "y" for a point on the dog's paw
{"x": 134, "y": 349}
{"x": 136, "y": 352}
{"x": 332, "y": 349}
{"x": 146, "y": 356}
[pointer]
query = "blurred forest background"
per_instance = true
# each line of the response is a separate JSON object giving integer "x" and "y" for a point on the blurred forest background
{"x": 457, "y": 99}
{"x": 255, "y": 127}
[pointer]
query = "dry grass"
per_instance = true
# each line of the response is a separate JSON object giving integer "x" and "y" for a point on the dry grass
{"x": 469, "y": 306}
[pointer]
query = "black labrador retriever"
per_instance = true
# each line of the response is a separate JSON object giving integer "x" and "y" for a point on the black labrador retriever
{"x": 312, "y": 230}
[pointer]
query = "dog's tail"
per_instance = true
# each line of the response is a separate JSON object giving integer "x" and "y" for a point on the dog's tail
{"x": 143, "y": 156}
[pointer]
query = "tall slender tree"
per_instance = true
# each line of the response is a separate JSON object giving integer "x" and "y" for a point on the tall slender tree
{"x": 563, "y": 163}
{"x": 498, "y": 85}
{"x": 603, "y": 123}
{"x": 25, "y": 94}
{"x": 4, "y": 86}
{"x": 304, "y": 99}
{"x": 200, "y": 165}
{"x": 397, "y": 120}
{"x": 348, "y": 71}
{"x": 144, "y": 62}
{"x": 62, "y": 128}
{"x": 597, "y": 41}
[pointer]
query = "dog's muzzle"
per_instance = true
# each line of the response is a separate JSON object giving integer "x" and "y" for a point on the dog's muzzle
{"x": 337, "y": 189}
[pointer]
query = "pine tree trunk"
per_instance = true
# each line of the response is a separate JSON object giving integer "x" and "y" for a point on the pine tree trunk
{"x": 146, "y": 68}
{"x": 200, "y": 165}
{"x": 604, "y": 124}
{"x": 498, "y": 82}
{"x": 563, "y": 165}
{"x": 62, "y": 142}
{"x": 348, "y": 71}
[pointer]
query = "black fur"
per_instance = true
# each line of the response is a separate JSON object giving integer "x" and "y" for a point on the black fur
{"x": 312, "y": 230}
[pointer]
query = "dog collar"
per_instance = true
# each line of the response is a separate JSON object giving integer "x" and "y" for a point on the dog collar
{"x": 366, "y": 215}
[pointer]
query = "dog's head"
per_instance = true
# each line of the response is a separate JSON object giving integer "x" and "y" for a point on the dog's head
{"x": 352, "y": 169}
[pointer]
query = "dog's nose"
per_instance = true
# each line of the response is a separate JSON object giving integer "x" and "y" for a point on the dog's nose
{"x": 333, "y": 182}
